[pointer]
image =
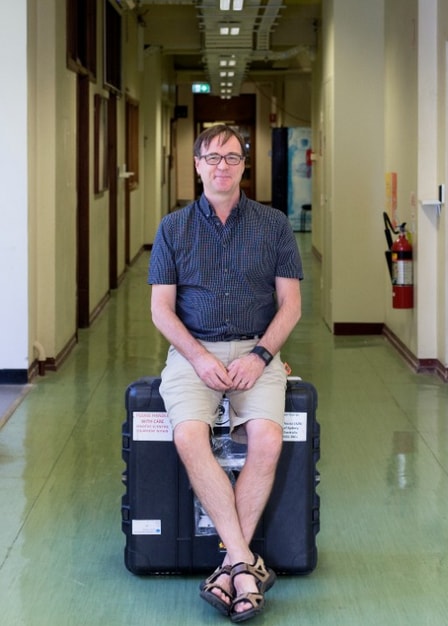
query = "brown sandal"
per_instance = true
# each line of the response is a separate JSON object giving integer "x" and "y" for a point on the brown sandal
{"x": 206, "y": 590}
{"x": 265, "y": 578}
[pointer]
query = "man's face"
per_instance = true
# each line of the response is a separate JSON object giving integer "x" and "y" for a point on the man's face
{"x": 221, "y": 178}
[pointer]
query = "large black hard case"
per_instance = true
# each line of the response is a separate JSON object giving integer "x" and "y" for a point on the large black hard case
{"x": 161, "y": 518}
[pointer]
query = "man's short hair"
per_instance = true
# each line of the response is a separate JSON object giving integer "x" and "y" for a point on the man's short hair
{"x": 222, "y": 131}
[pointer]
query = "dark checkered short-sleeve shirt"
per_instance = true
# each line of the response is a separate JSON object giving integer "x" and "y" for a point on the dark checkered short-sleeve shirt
{"x": 225, "y": 274}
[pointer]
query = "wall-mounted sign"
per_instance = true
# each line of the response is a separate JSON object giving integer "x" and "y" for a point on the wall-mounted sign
{"x": 201, "y": 88}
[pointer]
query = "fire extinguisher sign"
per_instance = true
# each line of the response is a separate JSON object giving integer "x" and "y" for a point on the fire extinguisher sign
{"x": 402, "y": 268}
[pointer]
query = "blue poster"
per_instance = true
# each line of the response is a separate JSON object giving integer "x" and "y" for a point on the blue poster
{"x": 299, "y": 178}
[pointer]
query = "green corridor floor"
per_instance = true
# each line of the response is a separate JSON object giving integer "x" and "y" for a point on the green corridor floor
{"x": 383, "y": 543}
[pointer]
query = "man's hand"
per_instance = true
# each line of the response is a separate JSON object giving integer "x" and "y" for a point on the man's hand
{"x": 212, "y": 372}
{"x": 245, "y": 371}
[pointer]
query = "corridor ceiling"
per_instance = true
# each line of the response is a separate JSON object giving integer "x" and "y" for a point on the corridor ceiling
{"x": 260, "y": 41}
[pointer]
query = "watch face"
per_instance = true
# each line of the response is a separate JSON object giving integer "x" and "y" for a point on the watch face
{"x": 267, "y": 356}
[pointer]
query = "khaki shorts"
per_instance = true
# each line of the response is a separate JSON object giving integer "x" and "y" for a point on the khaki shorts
{"x": 187, "y": 398}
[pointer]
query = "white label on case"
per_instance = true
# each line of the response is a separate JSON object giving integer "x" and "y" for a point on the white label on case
{"x": 151, "y": 426}
{"x": 294, "y": 428}
{"x": 146, "y": 527}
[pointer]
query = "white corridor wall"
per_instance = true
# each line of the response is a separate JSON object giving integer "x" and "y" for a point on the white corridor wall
{"x": 13, "y": 192}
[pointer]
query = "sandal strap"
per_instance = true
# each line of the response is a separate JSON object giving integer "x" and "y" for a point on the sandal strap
{"x": 219, "y": 571}
{"x": 208, "y": 588}
{"x": 258, "y": 570}
{"x": 251, "y": 597}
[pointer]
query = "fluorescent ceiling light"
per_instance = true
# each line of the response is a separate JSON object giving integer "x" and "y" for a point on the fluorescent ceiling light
{"x": 224, "y": 5}
{"x": 225, "y": 29}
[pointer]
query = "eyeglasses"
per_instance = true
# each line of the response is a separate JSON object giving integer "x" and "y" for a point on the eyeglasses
{"x": 215, "y": 159}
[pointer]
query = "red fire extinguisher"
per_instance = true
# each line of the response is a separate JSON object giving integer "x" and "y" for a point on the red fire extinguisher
{"x": 402, "y": 272}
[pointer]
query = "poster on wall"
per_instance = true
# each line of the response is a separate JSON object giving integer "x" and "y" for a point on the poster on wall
{"x": 391, "y": 197}
{"x": 299, "y": 178}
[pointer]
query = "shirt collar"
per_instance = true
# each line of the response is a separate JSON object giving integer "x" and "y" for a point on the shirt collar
{"x": 206, "y": 208}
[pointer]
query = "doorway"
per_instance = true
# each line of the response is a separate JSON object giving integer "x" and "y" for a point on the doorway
{"x": 113, "y": 191}
{"x": 82, "y": 187}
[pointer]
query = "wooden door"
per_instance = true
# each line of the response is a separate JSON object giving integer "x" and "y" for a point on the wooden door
{"x": 113, "y": 191}
{"x": 82, "y": 184}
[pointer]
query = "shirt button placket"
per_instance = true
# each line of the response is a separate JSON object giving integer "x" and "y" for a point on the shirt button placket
{"x": 226, "y": 278}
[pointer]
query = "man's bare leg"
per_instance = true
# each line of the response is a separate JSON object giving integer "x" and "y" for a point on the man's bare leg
{"x": 254, "y": 486}
{"x": 235, "y": 514}
{"x": 211, "y": 485}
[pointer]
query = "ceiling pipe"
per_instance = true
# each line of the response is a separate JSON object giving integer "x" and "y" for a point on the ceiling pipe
{"x": 269, "y": 55}
{"x": 267, "y": 22}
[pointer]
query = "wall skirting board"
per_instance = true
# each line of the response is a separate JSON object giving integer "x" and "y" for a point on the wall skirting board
{"x": 52, "y": 364}
{"x": 13, "y": 377}
{"x": 421, "y": 366}
{"x": 349, "y": 328}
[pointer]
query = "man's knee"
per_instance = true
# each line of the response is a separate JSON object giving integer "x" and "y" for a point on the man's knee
{"x": 190, "y": 438}
{"x": 265, "y": 440}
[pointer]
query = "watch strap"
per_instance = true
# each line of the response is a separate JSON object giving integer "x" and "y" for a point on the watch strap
{"x": 264, "y": 354}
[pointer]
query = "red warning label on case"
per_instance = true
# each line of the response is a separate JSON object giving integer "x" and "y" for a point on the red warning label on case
{"x": 151, "y": 426}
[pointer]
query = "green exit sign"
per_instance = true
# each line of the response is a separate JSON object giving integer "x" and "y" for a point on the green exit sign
{"x": 201, "y": 88}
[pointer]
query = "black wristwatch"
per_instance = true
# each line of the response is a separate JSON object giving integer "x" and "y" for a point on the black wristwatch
{"x": 264, "y": 354}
